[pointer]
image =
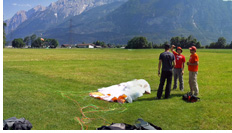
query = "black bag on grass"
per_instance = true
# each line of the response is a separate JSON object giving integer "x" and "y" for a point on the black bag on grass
{"x": 140, "y": 124}
{"x": 16, "y": 124}
{"x": 117, "y": 126}
{"x": 143, "y": 125}
{"x": 189, "y": 97}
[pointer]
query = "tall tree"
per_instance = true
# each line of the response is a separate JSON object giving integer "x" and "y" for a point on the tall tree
{"x": 221, "y": 43}
{"x": 18, "y": 43}
{"x": 33, "y": 38}
{"x": 26, "y": 40}
{"x": 53, "y": 43}
{"x": 137, "y": 43}
{"x": 230, "y": 46}
{"x": 4, "y": 34}
{"x": 37, "y": 43}
{"x": 185, "y": 42}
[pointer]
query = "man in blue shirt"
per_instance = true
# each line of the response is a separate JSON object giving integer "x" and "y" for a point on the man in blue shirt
{"x": 167, "y": 59}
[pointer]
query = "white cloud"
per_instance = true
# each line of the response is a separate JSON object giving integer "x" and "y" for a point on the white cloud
{"x": 25, "y": 5}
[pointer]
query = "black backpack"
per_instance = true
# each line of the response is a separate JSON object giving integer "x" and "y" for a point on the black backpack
{"x": 16, "y": 124}
{"x": 189, "y": 97}
{"x": 143, "y": 125}
{"x": 139, "y": 125}
{"x": 117, "y": 126}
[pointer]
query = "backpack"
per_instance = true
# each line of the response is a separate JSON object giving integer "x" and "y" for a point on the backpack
{"x": 117, "y": 126}
{"x": 189, "y": 97}
{"x": 16, "y": 124}
{"x": 140, "y": 124}
{"x": 143, "y": 125}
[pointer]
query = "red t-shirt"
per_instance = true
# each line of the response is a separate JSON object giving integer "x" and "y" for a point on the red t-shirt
{"x": 180, "y": 59}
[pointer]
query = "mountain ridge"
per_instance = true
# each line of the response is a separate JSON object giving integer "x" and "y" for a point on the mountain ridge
{"x": 53, "y": 15}
{"x": 158, "y": 20}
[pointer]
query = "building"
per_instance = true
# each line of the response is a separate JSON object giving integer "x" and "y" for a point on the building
{"x": 66, "y": 46}
{"x": 9, "y": 46}
{"x": 85, "y": 45}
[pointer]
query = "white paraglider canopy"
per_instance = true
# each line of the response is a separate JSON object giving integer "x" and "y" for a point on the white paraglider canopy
{"x": 126, "y": 91}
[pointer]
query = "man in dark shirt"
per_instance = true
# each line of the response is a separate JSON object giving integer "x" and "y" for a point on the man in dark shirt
{"x": 167, "y": 60}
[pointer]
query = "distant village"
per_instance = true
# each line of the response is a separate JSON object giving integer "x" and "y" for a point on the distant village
{"x": 91, "y": 46}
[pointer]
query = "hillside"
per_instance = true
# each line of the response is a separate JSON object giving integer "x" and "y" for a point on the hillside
{"x": 56, "y": 13}
{"x": 158, "y": 20}
{"x": 20, "y": 17}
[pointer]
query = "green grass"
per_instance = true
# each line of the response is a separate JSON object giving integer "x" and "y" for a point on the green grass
{"x": 50, "y": 87}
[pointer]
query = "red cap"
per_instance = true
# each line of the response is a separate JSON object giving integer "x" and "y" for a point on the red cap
{"x": 193, "y": 48}
{"x": 179, "y": 48}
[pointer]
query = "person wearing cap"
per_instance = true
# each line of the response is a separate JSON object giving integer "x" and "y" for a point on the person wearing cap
{"x": 167, "y": 60}
{"x": 179, "y": 68}
{"x": 193, "y": 70}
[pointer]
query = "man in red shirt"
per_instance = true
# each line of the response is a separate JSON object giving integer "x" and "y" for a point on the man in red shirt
{"x": 193, "y": 70}
{"x": 179, "y": 67}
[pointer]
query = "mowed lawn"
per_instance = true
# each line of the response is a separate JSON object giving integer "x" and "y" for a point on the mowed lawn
{"x": 50, "y": 88}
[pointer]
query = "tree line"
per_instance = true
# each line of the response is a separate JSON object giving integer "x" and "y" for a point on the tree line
{"x": 184, "y": 42}
{"x": 135, "y": 43}
{"x": 4, "y": 34}
{"x": 220, "y": 44}
{"x": 36, "y": 42}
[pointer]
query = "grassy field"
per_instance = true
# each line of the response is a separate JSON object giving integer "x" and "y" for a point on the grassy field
{"x": 50, "y": 87}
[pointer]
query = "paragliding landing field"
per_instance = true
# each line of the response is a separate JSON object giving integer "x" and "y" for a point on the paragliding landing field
{"x": 50, "y": 88}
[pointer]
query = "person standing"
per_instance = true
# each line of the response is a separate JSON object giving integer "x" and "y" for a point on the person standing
{"x": 167, "y": 60}
{"x": 193, "y": 71}
{"x": 179, "y": 68}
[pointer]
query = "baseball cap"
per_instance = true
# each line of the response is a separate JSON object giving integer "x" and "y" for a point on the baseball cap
{"x": 193, "y": 48}
{"x": 179, "y": 49}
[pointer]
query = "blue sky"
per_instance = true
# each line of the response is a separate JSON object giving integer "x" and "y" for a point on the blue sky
{"x": 10, "y": 7}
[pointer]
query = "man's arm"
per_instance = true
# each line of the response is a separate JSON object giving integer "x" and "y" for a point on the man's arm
{"x": 173, "y": 46}
{"x": 182, "y": 68}
{"x": 193, "y": 64}
{"x": 174, "y": 62}
{"x": 159, "y": 66}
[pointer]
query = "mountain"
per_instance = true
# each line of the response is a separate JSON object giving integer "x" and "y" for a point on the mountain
{"x": 83, "y": 27}
{"x": 118, "y": 22}
{"x": 162, "y": 19}
{"x": 20, "y": 17}
{"x": 158, "y": 20}
{"x": 54, "y": 14}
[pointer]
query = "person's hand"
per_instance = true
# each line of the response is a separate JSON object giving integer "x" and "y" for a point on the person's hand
{"x": 182, "y": 72}
{"x": 173, "y": 46}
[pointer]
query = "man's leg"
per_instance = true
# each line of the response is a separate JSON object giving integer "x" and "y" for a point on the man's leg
{"x": 161, "y": 85}
{"x": 195, "y": 85}
{"x": 191, "y": 82}
{"x": 175, "y": 79}
{"x": 168, "y": 85}
{"x": 181, "y": 80}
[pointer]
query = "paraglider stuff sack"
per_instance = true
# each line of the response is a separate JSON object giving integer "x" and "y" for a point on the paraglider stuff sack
{"x": 190, "y": 98}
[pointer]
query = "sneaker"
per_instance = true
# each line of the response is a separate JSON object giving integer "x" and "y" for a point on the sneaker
{"x": 181, "y": 89}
